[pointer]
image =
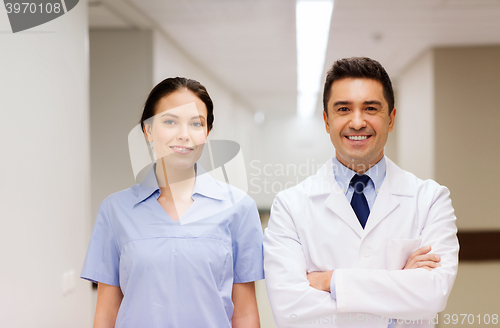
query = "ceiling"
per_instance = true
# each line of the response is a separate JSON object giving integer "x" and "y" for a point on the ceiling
{"x": 249, "y": 45}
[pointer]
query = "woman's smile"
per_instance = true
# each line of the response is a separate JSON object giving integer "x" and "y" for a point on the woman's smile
{"x": 181, "y": 149}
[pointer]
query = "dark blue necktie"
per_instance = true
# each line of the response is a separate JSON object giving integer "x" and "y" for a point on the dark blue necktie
{"x": 358, "y": 201}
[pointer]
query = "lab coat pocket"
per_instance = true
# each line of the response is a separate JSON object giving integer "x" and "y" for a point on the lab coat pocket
{"x": 398, "y": 251}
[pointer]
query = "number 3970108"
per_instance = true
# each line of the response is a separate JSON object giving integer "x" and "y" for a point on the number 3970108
{"x": 471, "y": 319}
{"x": 33, "y": 8}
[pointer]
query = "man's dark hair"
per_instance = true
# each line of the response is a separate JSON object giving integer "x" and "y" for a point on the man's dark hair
{"x": 358, "y": 67}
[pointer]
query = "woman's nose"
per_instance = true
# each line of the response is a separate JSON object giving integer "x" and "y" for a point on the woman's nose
{"x": 183, "y": 133}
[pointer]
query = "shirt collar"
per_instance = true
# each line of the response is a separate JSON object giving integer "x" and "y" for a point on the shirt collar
{"x": 343, "y": 174}
{"x": 204, "y": 185}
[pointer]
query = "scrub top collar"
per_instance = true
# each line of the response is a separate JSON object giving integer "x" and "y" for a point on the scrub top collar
{"x": 343, "y": 174}
{"x": 204, "y": 185}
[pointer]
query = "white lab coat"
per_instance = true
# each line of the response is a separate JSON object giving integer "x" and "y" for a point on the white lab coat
{"x": 313, "y": 228}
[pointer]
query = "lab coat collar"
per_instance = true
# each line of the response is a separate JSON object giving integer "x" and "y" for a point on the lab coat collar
{"x": 343, "y": 174}
{"x": 324, "y": 181}
{"x": 397, "y": 180}
{"x": 395, "y": 183}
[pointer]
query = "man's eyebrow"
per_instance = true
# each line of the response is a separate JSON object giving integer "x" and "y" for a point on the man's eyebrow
{"x": 345, "y": 102}
{"x": 373, "y": 102}
{"x": 341, "y": 102}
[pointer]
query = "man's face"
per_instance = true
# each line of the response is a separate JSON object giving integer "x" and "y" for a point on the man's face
{"x": 358, "y": 121}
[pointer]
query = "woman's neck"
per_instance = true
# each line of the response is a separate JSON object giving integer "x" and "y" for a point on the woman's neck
{"x": 175, "y": 183}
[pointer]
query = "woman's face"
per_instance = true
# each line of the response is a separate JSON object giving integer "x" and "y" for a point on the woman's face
{"x": 179, "y": 129}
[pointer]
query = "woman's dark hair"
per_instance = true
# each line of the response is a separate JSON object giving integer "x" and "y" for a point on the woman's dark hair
{"x": 170, "y": 85}
{"x": 358, "y": 67}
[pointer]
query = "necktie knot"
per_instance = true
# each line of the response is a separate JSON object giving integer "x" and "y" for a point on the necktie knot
{"x": 359, "y": 182}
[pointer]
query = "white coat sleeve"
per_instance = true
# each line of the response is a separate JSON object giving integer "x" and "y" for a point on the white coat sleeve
{"x": 407, "y": 294}
{"x": 291, "y": 297}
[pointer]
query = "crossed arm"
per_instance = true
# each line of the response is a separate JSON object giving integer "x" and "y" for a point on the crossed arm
{"x": 421, "y": 258}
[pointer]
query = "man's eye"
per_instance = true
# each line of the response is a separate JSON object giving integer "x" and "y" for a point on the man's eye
{"x": 371, "y": 108}
{"x": 343, "y": 109}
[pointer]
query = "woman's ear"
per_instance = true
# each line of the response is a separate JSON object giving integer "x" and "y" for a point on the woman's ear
{"x": 147, "y": 129}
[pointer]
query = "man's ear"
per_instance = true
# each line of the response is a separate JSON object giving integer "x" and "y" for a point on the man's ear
{"x": 327, "y": 125}
{"x": 392, "y": 119}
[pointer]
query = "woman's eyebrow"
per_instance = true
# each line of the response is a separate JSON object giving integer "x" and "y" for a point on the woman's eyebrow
{"x": 175, "y": 116}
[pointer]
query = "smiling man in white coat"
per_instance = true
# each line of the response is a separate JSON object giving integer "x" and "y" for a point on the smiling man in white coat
{"x": 362, "y": 243}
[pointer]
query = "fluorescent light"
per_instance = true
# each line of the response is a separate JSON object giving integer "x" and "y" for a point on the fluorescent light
{"x": 313, "y": 26}
{"x": 259, "y": 117}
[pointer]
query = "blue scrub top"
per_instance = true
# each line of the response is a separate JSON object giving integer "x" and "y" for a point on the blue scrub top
{"x": 176, "y": 274}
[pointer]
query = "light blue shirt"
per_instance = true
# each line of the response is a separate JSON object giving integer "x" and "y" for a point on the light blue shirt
{"x": 176, "y": 274}
{"x": 343, "y": 176}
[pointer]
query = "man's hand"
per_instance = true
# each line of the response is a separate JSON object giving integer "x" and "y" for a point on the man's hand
{"x": 320, "y": 280}
{"x": 421, "y": 259}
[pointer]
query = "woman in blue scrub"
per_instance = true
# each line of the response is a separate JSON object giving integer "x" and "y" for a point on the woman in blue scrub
{"x": 180, "y": 249}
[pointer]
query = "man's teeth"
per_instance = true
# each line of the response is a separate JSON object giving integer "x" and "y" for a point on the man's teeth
{"x": 357, "y": 137}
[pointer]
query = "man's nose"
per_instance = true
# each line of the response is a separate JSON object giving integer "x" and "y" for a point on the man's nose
{"x": 358, "y": 120}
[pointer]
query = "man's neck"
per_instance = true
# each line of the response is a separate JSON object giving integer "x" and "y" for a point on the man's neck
{"x": 359, "y": 167}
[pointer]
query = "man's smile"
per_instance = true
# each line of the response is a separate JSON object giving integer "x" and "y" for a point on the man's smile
{"x": 357, "y": 138}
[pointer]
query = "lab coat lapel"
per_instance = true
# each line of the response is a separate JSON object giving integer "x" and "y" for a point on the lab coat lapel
{"x": 395, "y": 184}
{"x": 338, "y": 204}
{"x": 336, "y": 200}
{"x": 384, "y": 204}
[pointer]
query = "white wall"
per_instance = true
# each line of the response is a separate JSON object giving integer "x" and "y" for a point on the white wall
{"x": 121, "y": 70}
{"x": 44, "y": 194}
{"x": 415, "y": 118}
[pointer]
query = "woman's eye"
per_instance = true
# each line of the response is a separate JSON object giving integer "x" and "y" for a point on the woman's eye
{"x": 197, "y": 124}
{"x": 169, "y": 122}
